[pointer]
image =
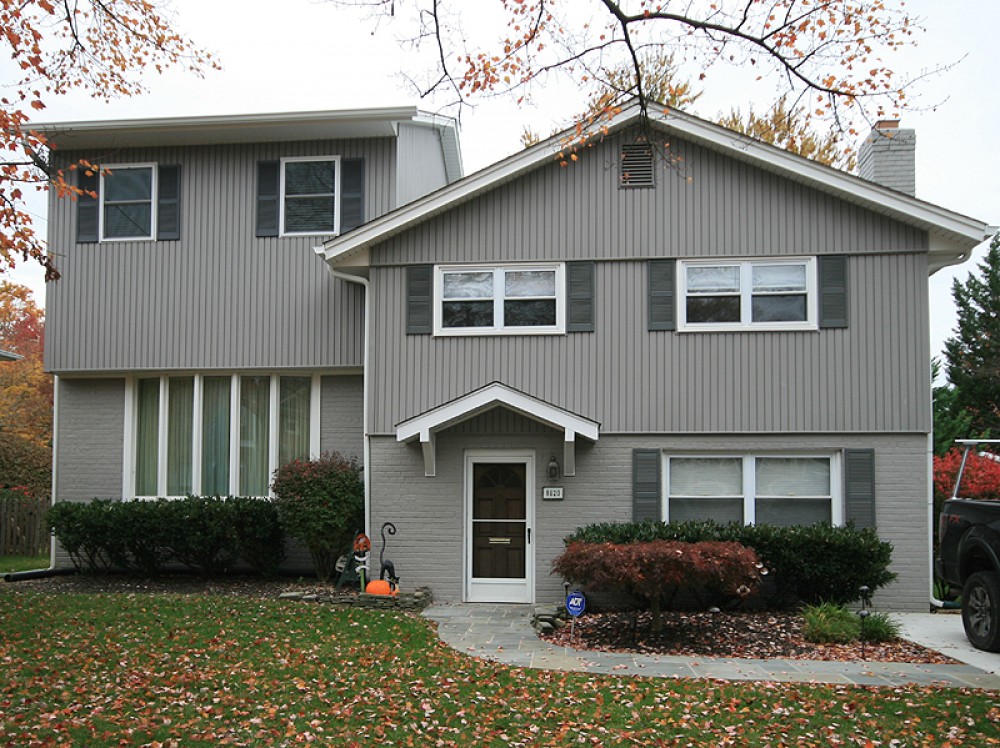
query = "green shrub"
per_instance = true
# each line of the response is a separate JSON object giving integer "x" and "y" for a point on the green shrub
{"x": 808, "y": 564}
{"x": 257, "y": 533}
{"x": 24, "y": 463}
{"x": 321, "y": 502}
{"x": 204, "y": 533}
{"x": 879, "y": 627}
{"x": 827, "y": 623}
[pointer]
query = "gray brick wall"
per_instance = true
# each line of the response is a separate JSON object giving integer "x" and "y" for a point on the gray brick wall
{"x": 341, "y": 415}
{"x": 889, "y": 158}
{"x": 429, "y": 511}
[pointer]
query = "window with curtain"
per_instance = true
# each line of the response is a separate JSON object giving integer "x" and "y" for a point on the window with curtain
{"x": 773, "y": 490}
{"x": 752, "y": 295}
{"x": 219, "y": 434}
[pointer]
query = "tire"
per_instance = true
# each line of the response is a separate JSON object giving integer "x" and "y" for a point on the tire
{"x": 981, "y": 610}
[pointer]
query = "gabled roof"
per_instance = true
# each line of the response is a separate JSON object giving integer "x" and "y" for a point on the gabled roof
{"x": 254, "y": 128}
{"x": 426, "y": 425}
{"x": 952, "y": 235}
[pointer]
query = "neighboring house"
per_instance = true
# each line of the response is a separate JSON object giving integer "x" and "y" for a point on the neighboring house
{"x": 8, "y": 356}
{"x": 733, "y": 332}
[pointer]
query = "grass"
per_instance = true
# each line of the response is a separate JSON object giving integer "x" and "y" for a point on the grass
{"x": 23, "y": 563}
{"x": 102, "y": 670}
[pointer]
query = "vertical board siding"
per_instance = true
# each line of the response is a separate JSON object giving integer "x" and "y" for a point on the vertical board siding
{"x": 421, "y": 163}
{"x": 872, "y": 376}
{"x": 219, "y": 297}
{"x": 705, "y": 205}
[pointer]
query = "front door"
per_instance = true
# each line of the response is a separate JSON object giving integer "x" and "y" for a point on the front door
{"x": 498, "y": 531}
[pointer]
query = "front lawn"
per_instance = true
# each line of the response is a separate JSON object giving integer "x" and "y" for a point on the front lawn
{"x": 23, "y": 563}
{"x": 135, "y": 669}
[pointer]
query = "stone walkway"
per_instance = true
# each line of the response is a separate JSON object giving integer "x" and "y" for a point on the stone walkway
{"x": 503, "y": 633}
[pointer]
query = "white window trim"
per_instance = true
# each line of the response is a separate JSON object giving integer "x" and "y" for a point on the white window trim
{"x": 154, "y": 196}
{"x": 746, "y": 296}
{"x": 749, "y": 479}
{"x": 132, "y": 427}
{"x": 336, "y": 196}
{"x": 498, "y": 270}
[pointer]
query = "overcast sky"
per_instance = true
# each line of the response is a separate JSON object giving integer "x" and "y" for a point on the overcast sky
{"x": 314, "y": 56}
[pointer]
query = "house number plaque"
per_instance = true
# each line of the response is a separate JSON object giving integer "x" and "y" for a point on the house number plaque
{"x": 552, "y": 493}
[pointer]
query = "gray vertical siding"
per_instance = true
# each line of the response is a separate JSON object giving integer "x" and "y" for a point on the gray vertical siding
{"x": 872, "y": 376}
{"x": 430, "y": 510}
{"x": 421, "y": 163}
{"x": 728, "y": 208}
{"x": 219, "y": 297}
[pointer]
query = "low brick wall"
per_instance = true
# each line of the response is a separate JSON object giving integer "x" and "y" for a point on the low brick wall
{"x": 415, "y": 601}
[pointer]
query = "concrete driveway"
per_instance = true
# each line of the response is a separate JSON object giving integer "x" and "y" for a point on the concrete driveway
{"x": 943, "y": 632}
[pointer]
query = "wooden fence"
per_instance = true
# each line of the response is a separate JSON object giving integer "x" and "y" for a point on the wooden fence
{"x": 22, "y": 526}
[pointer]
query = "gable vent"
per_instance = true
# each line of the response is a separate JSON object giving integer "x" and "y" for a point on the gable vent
{"x": 637, "y": 165}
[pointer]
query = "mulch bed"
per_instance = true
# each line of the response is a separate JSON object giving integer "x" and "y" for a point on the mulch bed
{"x": 751, "y": 635}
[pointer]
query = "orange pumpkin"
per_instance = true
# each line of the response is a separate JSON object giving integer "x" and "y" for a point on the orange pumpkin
{"x": 379, "y": 587}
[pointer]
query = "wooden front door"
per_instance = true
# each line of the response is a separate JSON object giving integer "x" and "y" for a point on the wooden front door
{"x": 499, "y": 533}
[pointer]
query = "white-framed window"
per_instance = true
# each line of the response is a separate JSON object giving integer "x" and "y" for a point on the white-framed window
{"x": 499, "y": 299}
{"x": 128, "y": 200}
{"x": 769, "y": 489}
{"x": 726, "y": 295}
{"x": 310, "y": 195}
{"x": 217, "y": 434}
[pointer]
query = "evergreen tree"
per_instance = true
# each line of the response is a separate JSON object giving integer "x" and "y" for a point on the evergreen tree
{"x": 973, "y": 354}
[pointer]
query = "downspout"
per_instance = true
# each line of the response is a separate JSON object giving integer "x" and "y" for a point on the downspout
{"x": 930, "y": 520}
{"x": 366, "y": 446}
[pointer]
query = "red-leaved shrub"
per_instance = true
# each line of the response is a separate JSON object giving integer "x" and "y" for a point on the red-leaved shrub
{"x": 653, "y": 570}
{"x": 981, "y": 479}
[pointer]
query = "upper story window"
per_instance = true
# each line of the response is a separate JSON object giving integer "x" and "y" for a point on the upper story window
{"x": 310, "y": 188}
{"x": 748, "y": 295}
{"x": 491, "y": 300}
{"x": 128, "y": 194}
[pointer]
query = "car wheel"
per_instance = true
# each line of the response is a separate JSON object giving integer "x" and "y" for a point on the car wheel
{"x": 981, "y": 610}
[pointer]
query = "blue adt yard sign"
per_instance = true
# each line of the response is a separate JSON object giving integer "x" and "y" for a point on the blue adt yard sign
{"x": 576, "y": 603}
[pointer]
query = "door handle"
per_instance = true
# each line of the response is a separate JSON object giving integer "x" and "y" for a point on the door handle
{"x": 529, "y": 535}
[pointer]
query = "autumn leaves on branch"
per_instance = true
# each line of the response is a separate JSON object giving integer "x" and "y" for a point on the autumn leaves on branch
{"x": 101, "y": 47}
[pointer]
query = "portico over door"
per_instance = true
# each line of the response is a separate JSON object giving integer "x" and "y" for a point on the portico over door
{"x": 499, "y": 515}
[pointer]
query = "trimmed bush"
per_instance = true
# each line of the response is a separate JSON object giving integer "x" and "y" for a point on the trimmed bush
{"x": 654, "y": 570}
{"x": 321, "y": 502}
{"x": 808, "y": 564}
{"x": 207, "y": 534}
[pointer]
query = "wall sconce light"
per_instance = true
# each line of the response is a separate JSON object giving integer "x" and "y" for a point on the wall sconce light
{"x": 553, "y": 468}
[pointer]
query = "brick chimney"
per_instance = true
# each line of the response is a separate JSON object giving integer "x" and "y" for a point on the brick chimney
{"x": 888, "y": 156}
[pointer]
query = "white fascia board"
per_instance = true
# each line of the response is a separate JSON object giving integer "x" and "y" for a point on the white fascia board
{"x": 478, "y": 401}
{"x": 957, "y": 232}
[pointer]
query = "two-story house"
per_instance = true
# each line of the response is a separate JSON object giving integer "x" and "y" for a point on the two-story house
{"x": 730, "y": 332}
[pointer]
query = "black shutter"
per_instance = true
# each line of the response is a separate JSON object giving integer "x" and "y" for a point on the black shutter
{"x": 268, "y": 174}
{"x": 833, "y": 294}
{"x": 419, "y": 318}
{"x": 580, "y": 297}
{"x": 646, "y": 484}
{"x": 168, "y": 203}
{"x": 88, "y": 209}
{"x": 661, "y": 294}
{"x": 352, "y": 194}
{"x": 859, "y": 486}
